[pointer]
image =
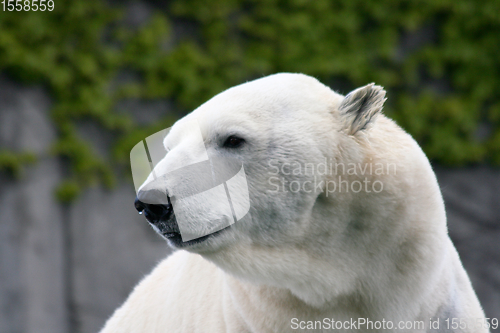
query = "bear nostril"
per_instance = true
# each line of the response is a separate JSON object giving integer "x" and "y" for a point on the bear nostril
{"x": 149, "y": 217}
{"x": 139, "y": 205}
{"x": 156, "y": 210}
{"x": 153, "y": 212}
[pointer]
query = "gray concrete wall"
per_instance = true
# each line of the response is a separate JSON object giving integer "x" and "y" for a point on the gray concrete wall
{"x": 31, "y": 240}
{"x": 66, "y": 268}
{"x": 472, "y": 198}
{"x": 62, "y": 268}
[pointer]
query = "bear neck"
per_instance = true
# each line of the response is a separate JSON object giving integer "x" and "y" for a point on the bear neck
{"x": 364, "y": 266}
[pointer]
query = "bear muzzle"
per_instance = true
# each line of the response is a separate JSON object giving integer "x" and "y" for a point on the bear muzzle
{"x": 159, "y": 215}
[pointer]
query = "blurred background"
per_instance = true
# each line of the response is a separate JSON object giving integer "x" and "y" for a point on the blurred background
{"x": 81, "y": 84}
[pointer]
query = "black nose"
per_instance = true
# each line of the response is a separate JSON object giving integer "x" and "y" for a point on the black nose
{"x": 154, "y": 212}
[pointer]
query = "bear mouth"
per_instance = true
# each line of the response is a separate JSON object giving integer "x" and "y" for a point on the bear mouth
{"x": 169, "y": 229}
{"x": 175, "y": 239}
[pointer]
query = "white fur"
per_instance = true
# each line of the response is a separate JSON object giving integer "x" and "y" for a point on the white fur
{"x": 309, "y": 256}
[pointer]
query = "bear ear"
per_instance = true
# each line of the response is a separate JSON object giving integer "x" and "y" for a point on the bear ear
{"x": 361, "y": 106}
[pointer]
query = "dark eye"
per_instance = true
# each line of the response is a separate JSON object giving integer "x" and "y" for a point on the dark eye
{"x": 233, "y": 142}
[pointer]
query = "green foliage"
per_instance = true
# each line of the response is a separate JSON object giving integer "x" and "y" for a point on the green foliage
{"x": 12, "y": 163}
{"x": 62, "y": 50}
{"x": 68, "y": 191}
{"x": 410, "y": 47}
{"x": 437, "y": 59}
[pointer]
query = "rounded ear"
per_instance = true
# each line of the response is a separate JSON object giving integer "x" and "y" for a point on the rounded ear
{"x": 361, "y": 106}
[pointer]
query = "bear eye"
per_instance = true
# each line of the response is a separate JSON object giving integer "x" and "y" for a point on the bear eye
{"x": 233, "y": 142}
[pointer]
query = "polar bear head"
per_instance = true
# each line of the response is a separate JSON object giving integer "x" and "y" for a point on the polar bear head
{"x": 328, "y": 179}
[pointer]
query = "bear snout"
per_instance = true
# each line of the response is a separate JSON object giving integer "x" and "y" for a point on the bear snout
{"x": 154, "y": 213}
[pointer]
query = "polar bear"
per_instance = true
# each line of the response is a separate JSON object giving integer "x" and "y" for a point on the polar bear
{"x": 347, "y": 230}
